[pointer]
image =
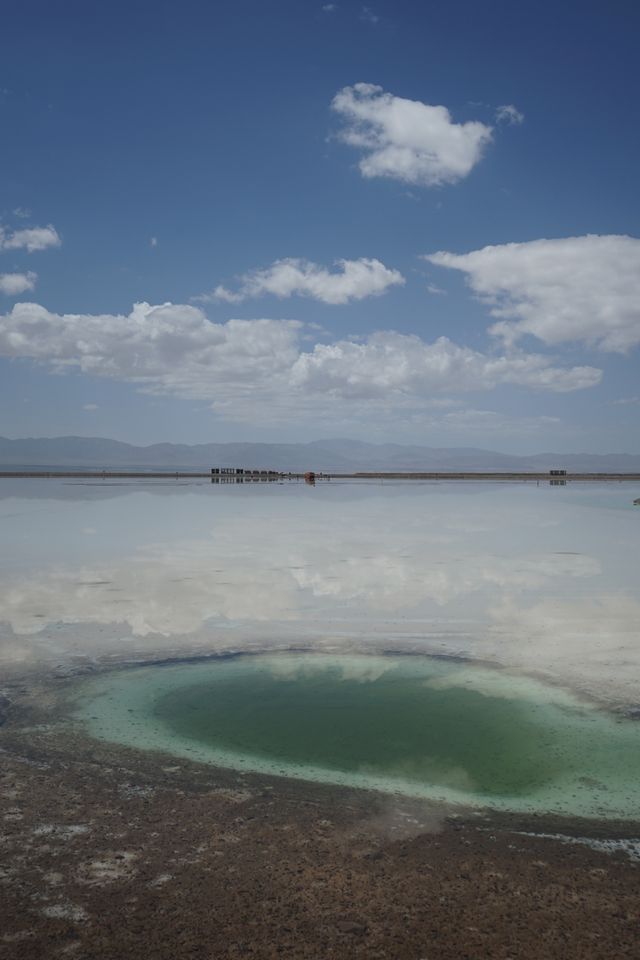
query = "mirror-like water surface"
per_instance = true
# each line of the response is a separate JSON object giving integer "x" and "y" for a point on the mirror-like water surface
{"x": 411, "y": 724}
{"x": 539, "y": 578}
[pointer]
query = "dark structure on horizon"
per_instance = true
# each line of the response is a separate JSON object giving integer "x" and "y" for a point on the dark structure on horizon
{"x": 242, "y": 475}
{"x": 556, "y": 477}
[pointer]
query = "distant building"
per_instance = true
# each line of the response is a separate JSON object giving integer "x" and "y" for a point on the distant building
{"x": 241, "y": 475}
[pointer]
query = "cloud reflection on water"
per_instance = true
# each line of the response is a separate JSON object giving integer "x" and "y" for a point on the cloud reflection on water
{"x": 513, "y": 573}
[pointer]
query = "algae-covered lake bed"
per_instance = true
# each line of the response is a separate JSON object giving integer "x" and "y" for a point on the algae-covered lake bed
{"x": 415, "y": 726}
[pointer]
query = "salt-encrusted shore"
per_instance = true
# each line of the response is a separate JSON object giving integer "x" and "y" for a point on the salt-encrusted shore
{"x": 106, "y": 848}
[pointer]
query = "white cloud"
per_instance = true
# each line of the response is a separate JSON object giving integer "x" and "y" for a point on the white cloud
{"x": 509, "y": 114}
{"x": 12, "y": 284}
{"x": 22, "y": 213}
{"x": 220, "y": 293}
{"x": 172, "y": 348}
{"x": 389, "y": 362}
{"x": 153, "y": 242}
{"x": 329, "y": 7}
{"x": 406, "y": 139}
{"x": 583, "y": 289}
{"x": 30, "y": 239}
{"x": 90, "y": 406}
{"x": 257, "y": 370}
{"x": 353, "y": 280}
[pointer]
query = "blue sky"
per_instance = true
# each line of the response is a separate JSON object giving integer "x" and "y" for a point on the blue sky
{"x": 268, "y": 180}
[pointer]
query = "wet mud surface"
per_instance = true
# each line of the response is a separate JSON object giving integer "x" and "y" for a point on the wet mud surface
{"x": 109, "y": 853}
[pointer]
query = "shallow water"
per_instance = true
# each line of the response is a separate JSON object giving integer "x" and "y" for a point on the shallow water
{"x": 535, "y": 577}
{"x": 541, "y": 580}
{"x": 412, "y": 725}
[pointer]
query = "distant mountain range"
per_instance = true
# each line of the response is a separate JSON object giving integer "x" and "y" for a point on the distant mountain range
{"x": 340, "y": 455}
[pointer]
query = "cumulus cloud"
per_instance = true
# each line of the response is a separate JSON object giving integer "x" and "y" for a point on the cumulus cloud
{"x": 387, "y": 362}
{"x": 408, "y": 140}
{"x": 509, "y": 114}
{"x": 584, "y": 289}
{"x": 353, "y": 280}
{"x": 13, "y": 284}
{"x": 258, "y": 371}
{"x": 171, "y": 348}
{"x": 31, "y": 239}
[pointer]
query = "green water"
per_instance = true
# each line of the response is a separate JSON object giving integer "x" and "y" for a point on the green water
{"x": 391, "y": 725}
{"x": 408, "y": 724}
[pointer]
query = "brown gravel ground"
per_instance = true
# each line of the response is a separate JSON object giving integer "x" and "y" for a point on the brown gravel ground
{"x": 111, "y": 854}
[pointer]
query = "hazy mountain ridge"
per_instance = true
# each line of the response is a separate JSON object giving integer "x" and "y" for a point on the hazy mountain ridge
{"x": 333, "y": 454}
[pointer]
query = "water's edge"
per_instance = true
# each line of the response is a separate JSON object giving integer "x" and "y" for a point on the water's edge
{"x": 117, "y": 707}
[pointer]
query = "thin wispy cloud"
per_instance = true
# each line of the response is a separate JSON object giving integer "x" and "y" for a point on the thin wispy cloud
{"x": 351, "y": 280}
{"x": 626, "y": 401}
{"x": 509, "y": 114}
{"x": 407, "y": 140}
{"x": 368, "y": 15}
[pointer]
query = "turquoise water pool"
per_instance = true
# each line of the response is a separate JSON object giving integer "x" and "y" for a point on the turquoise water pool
{"x": 413, "y": 725}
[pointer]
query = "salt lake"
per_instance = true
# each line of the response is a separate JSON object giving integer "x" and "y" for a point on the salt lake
{"x": 474, "y": 642}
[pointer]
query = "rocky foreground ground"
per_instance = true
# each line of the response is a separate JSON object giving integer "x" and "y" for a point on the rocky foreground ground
{"x": 108, "y": 853}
